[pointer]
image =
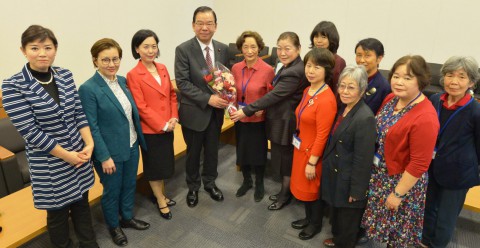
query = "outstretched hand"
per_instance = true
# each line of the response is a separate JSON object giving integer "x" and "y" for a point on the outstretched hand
{"x": 237, "y": 115}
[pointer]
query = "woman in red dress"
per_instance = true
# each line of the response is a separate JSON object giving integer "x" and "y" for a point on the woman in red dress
{"x": 315, "y": 115}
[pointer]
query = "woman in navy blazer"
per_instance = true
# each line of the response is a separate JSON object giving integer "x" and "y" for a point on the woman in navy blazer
{"x": 43, "y": 105}
{"x": 116, "y": 130}
{"x": 454, "y": 168}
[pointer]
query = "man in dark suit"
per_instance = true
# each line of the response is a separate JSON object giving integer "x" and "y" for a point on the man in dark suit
{"x": 201, "y": 110}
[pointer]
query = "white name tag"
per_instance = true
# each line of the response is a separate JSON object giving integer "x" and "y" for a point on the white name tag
{"x": 376, "y": 159}
{"x": 241, "y": 105}
{"x": 296, "y": 141}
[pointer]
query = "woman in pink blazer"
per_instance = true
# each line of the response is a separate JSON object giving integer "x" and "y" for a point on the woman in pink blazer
{"x": 156, "y": 100}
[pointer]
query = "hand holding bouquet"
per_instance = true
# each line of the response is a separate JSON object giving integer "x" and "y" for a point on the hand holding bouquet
{"x": 221, "y": 81}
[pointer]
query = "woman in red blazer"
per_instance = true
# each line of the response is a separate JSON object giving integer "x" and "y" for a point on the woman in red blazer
{"x": 156, "y": 100}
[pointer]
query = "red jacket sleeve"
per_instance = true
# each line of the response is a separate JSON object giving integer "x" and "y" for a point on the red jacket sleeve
{"x": 173, "y": 97}
{"x": 325, "y": 115}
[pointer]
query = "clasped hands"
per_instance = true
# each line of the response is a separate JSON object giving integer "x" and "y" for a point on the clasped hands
{"x": 171, "y": 124}
{"x": 77, "y": 159}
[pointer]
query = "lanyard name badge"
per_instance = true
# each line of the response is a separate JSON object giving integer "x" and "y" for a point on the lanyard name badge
{"x": 381, "y": 128}
{"x": 377, "y": 157}
{"x": 442, "y": 129}
{"x": 296, "y": 141}
{"x": 242, "y": 104}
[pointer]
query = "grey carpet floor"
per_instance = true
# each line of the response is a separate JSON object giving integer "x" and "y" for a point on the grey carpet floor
{"x": 235, "y": 222}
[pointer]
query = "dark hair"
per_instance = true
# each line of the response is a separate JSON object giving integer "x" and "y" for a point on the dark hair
{"x": 292, "y": 36}
{"x": 138, "y": 38}
{"x": 371, "y": 44}
{"x": 37, "y": 32}
{"x": 324, "y": 58}
{"x": 203, "y": 9}
{"x": 416, "y": 66}
{"x": 103, "y": 44}
{"x": 330, "y": 31}
{"x": 252, "y": 34}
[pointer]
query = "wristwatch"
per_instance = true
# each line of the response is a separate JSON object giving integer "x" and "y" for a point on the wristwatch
{"x": 398, "y": 195}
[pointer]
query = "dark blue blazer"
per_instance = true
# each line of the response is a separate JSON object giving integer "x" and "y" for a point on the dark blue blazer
{"x": 374, "y": 98}
{"x": 456, "y": 165}
{"x": 108, "y": 122}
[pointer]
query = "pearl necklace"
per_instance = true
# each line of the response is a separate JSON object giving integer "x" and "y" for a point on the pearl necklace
{"x": 45, "y": 83}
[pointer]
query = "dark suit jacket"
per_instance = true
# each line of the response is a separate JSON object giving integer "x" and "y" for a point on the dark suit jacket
{"x": 107, "y": 120}
{"x": 458, "y": 149}
{"x": 194, "y": 112}
{"x": 382, "y": 89}
{"x": 281, "y": 102}
{"x": 348, "y": 158}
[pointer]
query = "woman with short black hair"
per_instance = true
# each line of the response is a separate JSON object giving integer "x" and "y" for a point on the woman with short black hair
{"x": 44, "y": 106}
{"x": 369, "y": 53}
{"x": 325, "y": 35}
{"x": 153, "y": 92}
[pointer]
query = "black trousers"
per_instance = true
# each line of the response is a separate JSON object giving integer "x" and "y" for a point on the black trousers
{"x": 208, "y": 140}
{"x": 58, "y": 227}
{"x": 314, "y": 212}
{"x": 346, "y": 225}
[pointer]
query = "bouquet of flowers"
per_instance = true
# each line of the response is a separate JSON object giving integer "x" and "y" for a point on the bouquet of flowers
{"x": 221, "y": 80}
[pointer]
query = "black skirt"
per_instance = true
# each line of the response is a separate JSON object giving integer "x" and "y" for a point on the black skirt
{"x": 159, "y": 158}
{"x": 251, "y": 143}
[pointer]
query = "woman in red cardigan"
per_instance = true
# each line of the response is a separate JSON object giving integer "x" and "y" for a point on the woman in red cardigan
{"x": 407, "y": 128}
{"x": 156, "y": 101}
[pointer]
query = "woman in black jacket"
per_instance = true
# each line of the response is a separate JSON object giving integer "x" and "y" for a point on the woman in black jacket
{"x": 347, "y": 159}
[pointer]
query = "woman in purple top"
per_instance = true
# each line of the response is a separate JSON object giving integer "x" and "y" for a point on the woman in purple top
{"x": 325, "y": 35}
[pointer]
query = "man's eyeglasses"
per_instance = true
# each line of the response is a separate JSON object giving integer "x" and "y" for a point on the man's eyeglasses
{"x": 208, "y": 24}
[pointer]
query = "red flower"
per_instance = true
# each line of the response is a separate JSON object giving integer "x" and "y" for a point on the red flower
{"x": 226, "y": 85}
{"x": 208, "y": 78}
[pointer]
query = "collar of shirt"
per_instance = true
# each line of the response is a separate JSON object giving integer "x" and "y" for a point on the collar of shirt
{"x": 114, "y": 81}
{"x": 210, "y": 45}
{"x": 255, "y": 66}
{"x": 458, "y": 104}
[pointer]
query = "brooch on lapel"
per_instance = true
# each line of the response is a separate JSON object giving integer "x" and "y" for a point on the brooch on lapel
{"x": 310, "y": 102}
{"x": 371, "y": 91}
